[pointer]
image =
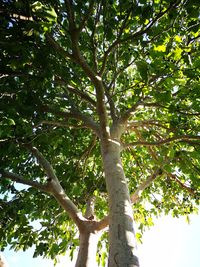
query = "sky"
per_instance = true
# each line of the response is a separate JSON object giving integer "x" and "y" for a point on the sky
{"x": 170, "y": 242}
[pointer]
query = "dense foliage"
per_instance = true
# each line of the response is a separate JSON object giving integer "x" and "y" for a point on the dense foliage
{"x": 147, "y": 54}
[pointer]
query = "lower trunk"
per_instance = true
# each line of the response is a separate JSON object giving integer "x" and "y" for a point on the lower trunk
{"x": 3, "y": 262}
{"x": 87, "y": 250}
{"x": 121, "y": 233}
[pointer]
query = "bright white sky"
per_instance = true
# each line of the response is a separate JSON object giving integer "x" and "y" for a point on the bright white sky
{"x": 171, "y": 242}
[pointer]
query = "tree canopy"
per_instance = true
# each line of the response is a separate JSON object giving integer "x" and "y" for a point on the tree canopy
{"x": 69, "y": 71}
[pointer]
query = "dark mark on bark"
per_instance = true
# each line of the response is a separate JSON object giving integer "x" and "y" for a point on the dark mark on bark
{"x": 119, "y": 231}
{"x": 116, "y": 259}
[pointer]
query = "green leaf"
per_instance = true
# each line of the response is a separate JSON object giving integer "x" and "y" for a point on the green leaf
{"x": 143, "y": 70}
{"x": 160, "y": 48}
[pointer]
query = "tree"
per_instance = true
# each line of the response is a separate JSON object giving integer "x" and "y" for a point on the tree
{"x": 100, "y": 103}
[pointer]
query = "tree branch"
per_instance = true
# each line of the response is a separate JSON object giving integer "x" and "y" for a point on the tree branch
{"x": 94, "y": 77}
{"x": 115, "y": 43}
{"x": 181, "y": 138}
{"x": 144, "y": 123}
{"x": 55, "y": 45}
{"x": 86, "y": 15}
{"x": 124, "y": 118}
{"x": 185, "y": 187}
{"x": 60, "y": 124}
{"x": 100, "y": 95}
{"x": 111, "y": 103}
{"x": 54, "y": 187}
{"x": 89, "y": 213}
{"x": 136, "y": 195}
{"x": 75, "y": 91}
{"x": 136, "y": 34}
{"x": 172, "y": 5}
{"x": 19, "y": 179}
{"x": 71, "y": 19}
{"x": 100, "y": 225}
{"x": 75, "y": 114}
{"x": 42, "y": 162}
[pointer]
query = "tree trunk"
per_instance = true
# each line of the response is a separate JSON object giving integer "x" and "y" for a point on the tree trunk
{"x": 87, "y": 249}
{"x": 3, "y": 262}
{"x": 121, "y": 233}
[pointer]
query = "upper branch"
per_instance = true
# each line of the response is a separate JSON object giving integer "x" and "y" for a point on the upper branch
{"x": 136, "y": 195}
{"x": 181, "y": 138}
{"x": 96, "y": 80}
{"x": 185, "y": 187}
{"x": 19, "y": 179}
{"x": 55, "y": 45}
{"x": 92, "y": 75}
{"x": 124, "y": 118}
{"x": 75, "y": 114}
{"x": 138, "y": 33}
{"x": 98, "y": 84}
{"x": 42, "y": 162}
{"x": 86, "y": 15}
{"x": 60, "y": 124}
{"x": 111, "y": 103}
{"x": 75, "y": 91}
{"x": 71, "y": 19}
{"x": 115, "y": 43}
{"x": 142, "y": 103}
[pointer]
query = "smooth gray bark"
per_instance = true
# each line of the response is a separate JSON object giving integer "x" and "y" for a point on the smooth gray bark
{"x": 121, "y": 233}
{"x": 87, "y": 250}
{"x": 3, "y": 262}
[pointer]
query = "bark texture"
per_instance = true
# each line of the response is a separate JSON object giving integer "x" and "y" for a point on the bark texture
{"x": 121, "y": 234}
{"x": 3, "y": 262}
{"x": 87, "y": 250}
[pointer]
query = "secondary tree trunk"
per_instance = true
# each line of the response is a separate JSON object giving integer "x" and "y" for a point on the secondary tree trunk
{"x": 87, "y": 249}
{"x": 121, "y": 233}
{"x": 3, "y": 262}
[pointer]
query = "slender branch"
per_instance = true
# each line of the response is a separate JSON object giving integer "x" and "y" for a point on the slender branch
{"x": 172, "y": 5}
{"x": 185, "y": 187}
{"x": 115, "y": 43}
{"x": 60, "y": 124}
{"x": 19, "y": 179}
{"x": 55, "y": 45}
{"x": 71, "y": 89}
{"x": 181, "y": 138}
{"x": 69, "y": 7}
{"x": 18, "y": 16}
{"x": 14, "y": 74}
{"x": 42, "y": 162}
{"x": 111, "y": 103}
{"x": 136, "y": 34}
{"x": 89, "y": 213}
{"x": 144, "y": 123}
{"x": 136, "y": 195}
{"x": 97, "y": 81}
{"x": 89, "y": 149}
{"x": 86, "y": 15}
{"x": 100, "y": 225}
{"x": 75, "y": 114}
{"x": 161, "y": 169}
{"x": 157, "y": 105}
{"x": 121, "y": 70}
{"x": 129, "y": 111}
{"x": 92, "y": 38}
